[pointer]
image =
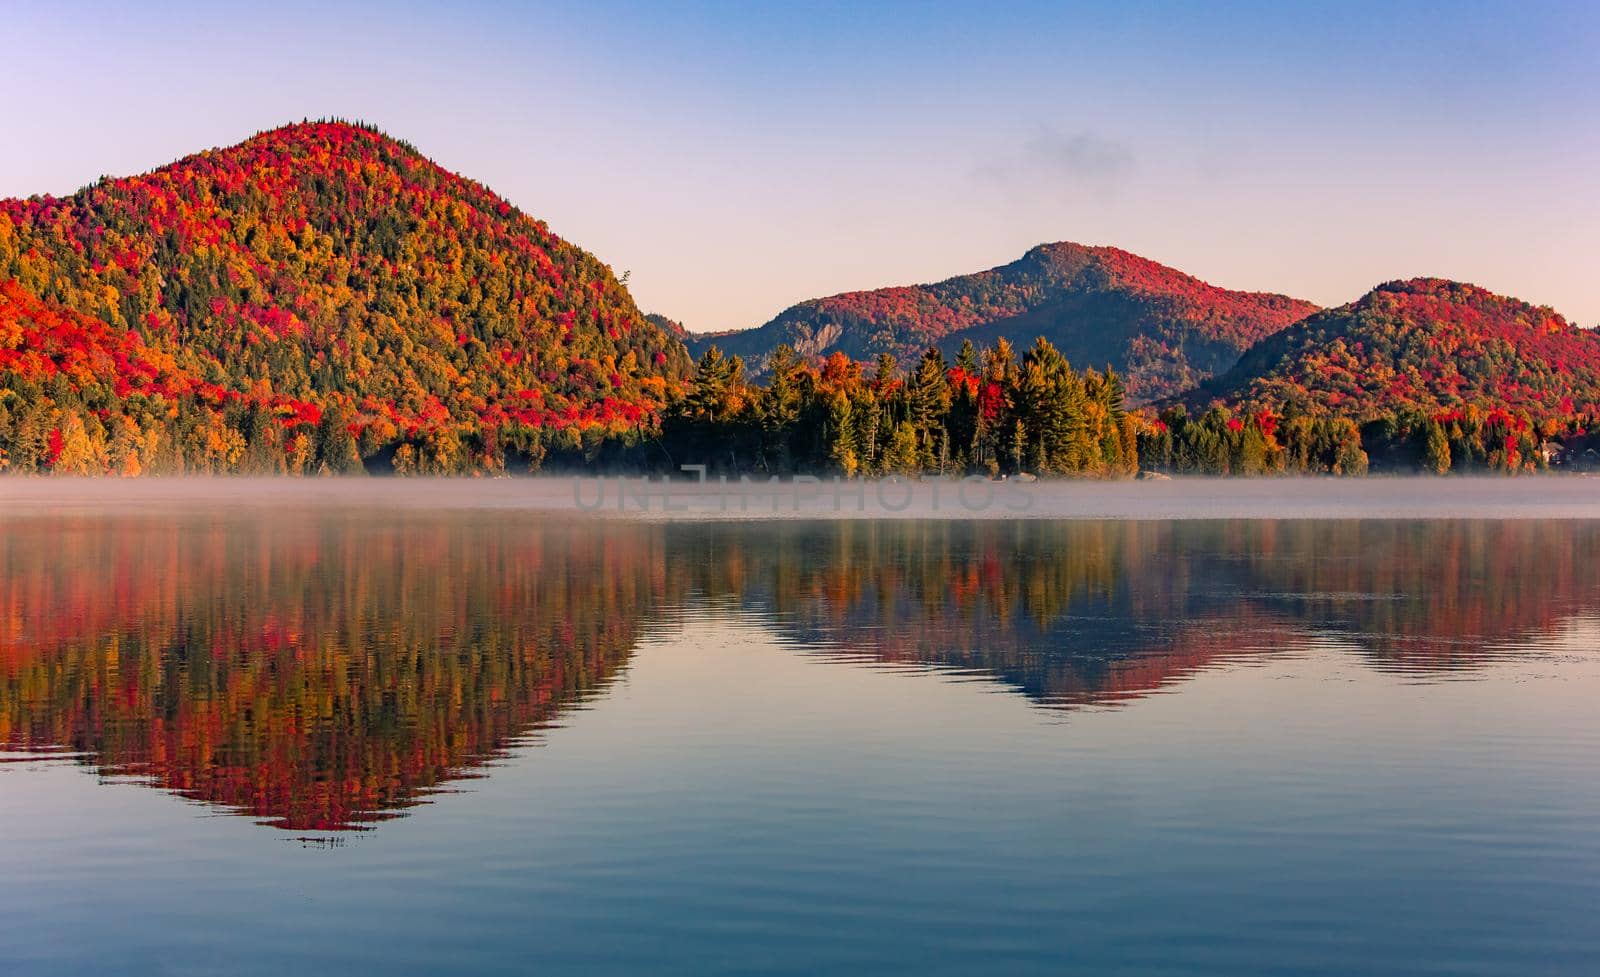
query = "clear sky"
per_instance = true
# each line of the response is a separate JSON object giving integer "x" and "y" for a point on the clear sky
{"x": 738, "y": 157}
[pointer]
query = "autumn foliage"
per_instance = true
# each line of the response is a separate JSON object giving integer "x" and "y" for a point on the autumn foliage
{"x": 324, "y": 299}
{"x": 1433, "y": 373}
{"x": 317, "y": 297}
{"x": 989, "y": 412}
{"x": 1163, "y": 330}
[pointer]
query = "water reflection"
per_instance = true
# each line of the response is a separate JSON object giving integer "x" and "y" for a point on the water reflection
{"x": 318, "y": 674}
{"x": 330, "y": 670}
{"x": 1083, "y": 613}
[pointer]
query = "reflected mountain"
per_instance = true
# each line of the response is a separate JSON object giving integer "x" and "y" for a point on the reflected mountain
{"x": 1087, "y": 613}
{"x": 314, "y": 675}
{"x": 1423, "y": 597}
{"x": 326, "y": 670}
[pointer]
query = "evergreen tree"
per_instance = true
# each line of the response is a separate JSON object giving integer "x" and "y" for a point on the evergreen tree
{"x": 967, "y": 359}
{"x": 844, "y": 451}
{"x": 337, "y": 452}
{"x": 1436, "y": 451}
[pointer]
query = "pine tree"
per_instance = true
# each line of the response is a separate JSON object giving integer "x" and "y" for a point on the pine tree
{"x": 843, "y": 451}
{"x": 928, "y": 394}
{"x": 1117, "y": 395}
{"x": 883, "y": 375}
{"x": 903, "y": 456}
{"x": 337, "y": 450}
{"x": 1436, "y": 450}
{"x": 967, "y": 359}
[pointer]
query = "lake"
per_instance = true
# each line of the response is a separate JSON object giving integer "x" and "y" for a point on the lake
{"x": 260, "y": 730}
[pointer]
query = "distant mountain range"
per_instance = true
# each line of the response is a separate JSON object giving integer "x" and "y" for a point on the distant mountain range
{"x": 1163, "y": 330}
{"x": 321, "y": 297}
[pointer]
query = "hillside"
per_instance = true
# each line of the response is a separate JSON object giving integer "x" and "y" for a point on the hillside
{"x": 1424, "y": 345}
{"x": 1163, "y": 330}
{"x": 317, "y": 293}
{"x": 1424, "y": 374}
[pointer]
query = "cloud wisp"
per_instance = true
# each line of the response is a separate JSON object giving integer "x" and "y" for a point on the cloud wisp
{"x": 1072, "y": 165}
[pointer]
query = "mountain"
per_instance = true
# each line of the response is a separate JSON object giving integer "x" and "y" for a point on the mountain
{"x": 1421, "y": 375}
{"x": 317, "y": 296}
{"x": 1423, "y": 346}
{"x": 1164, "y": 330}
{"x": 671, "y": 327}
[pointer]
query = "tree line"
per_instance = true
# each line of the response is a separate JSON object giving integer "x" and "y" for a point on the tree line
{"x": 990, "y": 412}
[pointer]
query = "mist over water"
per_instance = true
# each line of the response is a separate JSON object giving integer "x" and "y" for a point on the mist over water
{"x": 688, "y": 497}
{"x": 359, "y": 726}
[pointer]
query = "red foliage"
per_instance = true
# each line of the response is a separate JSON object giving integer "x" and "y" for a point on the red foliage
{"x": 991, "y": 401}
{"x": 1162, "y": 329}
{"x": 333, "y": 247}
{"x": 1427, "y": 347}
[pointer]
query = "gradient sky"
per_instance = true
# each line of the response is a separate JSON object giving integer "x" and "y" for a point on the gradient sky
{"x": 738, "y": 157}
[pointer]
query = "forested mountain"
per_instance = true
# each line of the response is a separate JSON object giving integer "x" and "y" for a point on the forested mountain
{"x": 1423, "y": 345}
{"x": 1433, "y": 373}
{"x": 1163, "y": 330}
{"x": 319, "y": 296}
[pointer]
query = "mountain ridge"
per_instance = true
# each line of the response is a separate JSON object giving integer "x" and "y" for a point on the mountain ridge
{"x": 1164, "y": 329}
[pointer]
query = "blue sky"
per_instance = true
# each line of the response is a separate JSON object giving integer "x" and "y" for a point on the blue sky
{"x": 738, "y": 157}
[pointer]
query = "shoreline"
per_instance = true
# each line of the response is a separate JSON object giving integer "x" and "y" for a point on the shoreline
{"x": 597, "y": 497}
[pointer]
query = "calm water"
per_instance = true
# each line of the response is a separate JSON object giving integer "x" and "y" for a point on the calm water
{"x": 261, "y": 740}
